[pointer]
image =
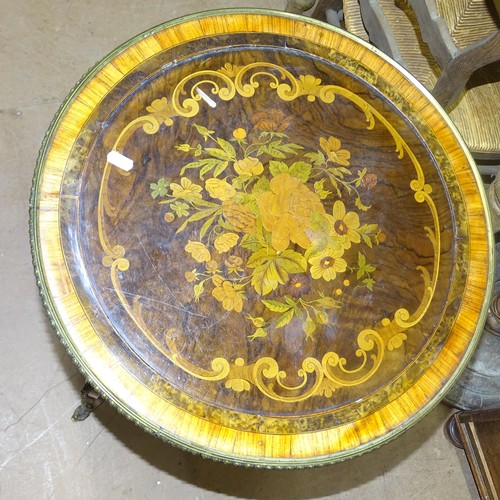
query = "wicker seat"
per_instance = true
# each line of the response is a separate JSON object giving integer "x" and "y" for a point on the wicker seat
{"x": 394, "y": 28}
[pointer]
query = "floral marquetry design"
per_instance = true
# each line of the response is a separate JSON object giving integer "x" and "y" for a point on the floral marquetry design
{"x": 276, "y": 233}
{"x": 260, "y": 195}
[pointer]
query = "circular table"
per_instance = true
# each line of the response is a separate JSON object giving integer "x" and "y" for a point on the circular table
{"x": 260, "y": 239}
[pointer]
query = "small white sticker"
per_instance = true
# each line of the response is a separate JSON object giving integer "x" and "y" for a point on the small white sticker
{"x": 206, "y": 98}
{"x": 120, "y": 161}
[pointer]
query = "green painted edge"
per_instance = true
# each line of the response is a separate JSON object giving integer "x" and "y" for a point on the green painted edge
{"x": 144, "y": 423}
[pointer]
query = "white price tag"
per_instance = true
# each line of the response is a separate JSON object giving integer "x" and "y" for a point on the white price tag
{"x": 120, "y": 161}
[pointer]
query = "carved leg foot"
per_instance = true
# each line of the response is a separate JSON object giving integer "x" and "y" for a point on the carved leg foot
{"x": 90, "y": 401}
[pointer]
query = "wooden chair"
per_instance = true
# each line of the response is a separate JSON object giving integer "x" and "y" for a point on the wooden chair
{"x": 453, "y": 48}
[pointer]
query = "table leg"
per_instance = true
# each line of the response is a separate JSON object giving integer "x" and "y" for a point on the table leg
{"x": 90, "y": 400}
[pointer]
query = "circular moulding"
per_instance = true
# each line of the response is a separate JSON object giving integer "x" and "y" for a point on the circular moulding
{"x": 260, "y": 239}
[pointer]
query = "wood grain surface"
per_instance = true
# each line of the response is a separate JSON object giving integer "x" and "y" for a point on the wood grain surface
{"x": 298, "y": 263}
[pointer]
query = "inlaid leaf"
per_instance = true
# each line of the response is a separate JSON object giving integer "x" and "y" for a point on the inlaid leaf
{"x": 274, "y": 149}
{"x": 359, "y": 204}
{"x": 238, "y": 182}
{"x": 363, "y": 266}
{"x": 359, "y": 179}
{"x": 261, "y": 186}
{"x": 318, "y": 158}
{"x": 277, "y": 167}
{"x": 227, "y": 225}
{"x": 301, "y": 169}
{"x": 290, "y": 148}
{"x": 206, "y": 212}
{"x": 253, "y": 242}
{"x": 227, "y": 147}
{"x": 206, "y": 162}
{"x": 369, "y": 283}
{"x": 285, "y": 318}
{"x": 266, "y": 278}
{"x": 319, "y": 234}
{"x": 292, "y": 262}
{"x": 276, "y": 305}
{"x": 261, "y": 256}
{"x": 219, "y": 153}
{"x": 218, "y": 166}
{"x": 206, "y": 226}
{"x": 368, "y": 232}
{"x": 241, "y": 198}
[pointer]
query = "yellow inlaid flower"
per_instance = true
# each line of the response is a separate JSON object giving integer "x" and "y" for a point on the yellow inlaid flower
{"x": 198, "y": 250}
{"x": 239, "y": 134}
{"x": 183, "y": 147}
{"x": 369, "y": 181}
{"x": 273, "y": 120}
{"x": 180, "y": 208}
{"x": 158, "y": 105}
{"x": 233, "y": 264}
{"x": 310, "y": 84}
{"x": 191, "y": 276}
{"x": 322, "y": 318}
{"x": 186, "y": 189}
{"x": 287, "y": 209}
{"x": 249, "y": 166}
{"x": 212, "y": 266}
{"x": 225, "y": 242}
{"x": 169, "y": 217}
{"x": 240, "y": 216}
{"x": 219, "y": 189}
{"x": 344, "y": 225}
{"x": 230, "y": 298}
{"x": 331, "y": 147}
{"x": 230, "y": 70}
{"x": 327, "y": 264}
{"x": 238, "y": 384}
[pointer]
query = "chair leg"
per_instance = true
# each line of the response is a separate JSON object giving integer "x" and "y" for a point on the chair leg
{"x": 379, "y": 30}
{"x": 89, "y": 402}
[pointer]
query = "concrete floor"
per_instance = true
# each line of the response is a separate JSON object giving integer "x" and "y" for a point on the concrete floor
{"x": 45, "y": 46}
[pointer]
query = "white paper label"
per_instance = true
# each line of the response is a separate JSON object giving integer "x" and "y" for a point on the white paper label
{"x": 206, "y": 98}
{"x": 120, "y": 161}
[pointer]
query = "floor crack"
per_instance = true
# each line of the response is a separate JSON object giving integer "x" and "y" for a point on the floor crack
{"x": 39, "y": 401}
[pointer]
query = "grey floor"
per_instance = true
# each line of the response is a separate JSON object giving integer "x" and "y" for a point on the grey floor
{"x": 45, "y": 46}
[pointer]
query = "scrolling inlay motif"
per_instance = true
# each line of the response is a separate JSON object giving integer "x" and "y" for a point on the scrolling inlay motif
{"x": 319, "y": 377}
